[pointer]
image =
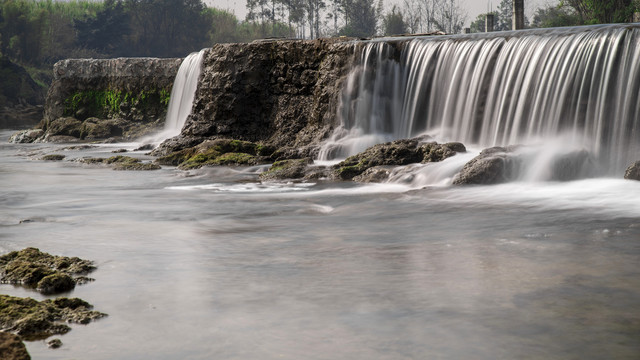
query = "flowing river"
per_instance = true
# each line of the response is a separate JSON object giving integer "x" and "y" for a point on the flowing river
{"x": 212, "y": 264}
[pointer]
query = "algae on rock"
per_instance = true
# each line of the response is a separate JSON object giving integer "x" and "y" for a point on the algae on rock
{"x": 46, "y": 273}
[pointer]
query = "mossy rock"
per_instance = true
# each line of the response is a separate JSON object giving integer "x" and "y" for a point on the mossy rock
{"x": 34, "y": 320}
{"x": 136, "y": 166}
{"x": 12, "y": 347}
{"x": 53, "y": 157}
{"x": 218, "y": 152}
{"x": 67, "y": 126}
{"x": 176, "y": 158}
{"x": 47, "y": 273}
{"x": 287, "y": 169}
{"x": 121, "y": 159}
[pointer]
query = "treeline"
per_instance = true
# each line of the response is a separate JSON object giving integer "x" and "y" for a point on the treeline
{"x": 37, "y": 33}
{"x": 41, "y": 32}
{"x": 565, "y": 13}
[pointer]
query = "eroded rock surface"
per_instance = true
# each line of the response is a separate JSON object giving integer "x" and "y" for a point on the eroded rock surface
{"x": 633, "y": 171}
{"x": 277, "y": 93}
{"x": 12, "y": 348}
{"x": 92, "y": 99}
{"x": 32, "y": 319}
{"x": 46, "y": 273}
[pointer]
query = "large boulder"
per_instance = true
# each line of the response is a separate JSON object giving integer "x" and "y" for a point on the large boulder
{"x": 493, "y": 166}
{"x": 395, "y": 153}
{"x": 633, "y": 171}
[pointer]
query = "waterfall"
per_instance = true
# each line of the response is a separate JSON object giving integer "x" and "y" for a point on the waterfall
{"x": 580, "y": 85}
{"x": 182, "y": 95}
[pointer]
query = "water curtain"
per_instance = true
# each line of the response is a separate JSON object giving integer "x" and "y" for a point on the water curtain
{"x": 579, "y": 84}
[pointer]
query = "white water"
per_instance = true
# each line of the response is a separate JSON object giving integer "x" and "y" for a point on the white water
{"x": 214, "y": 264}
{"x": 563, "y": 90}
{"x": 182, "y": 95}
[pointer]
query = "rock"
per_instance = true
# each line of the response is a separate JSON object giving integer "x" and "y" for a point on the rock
{"x": 145, "y": 147}
{"x": 56, "y": 283}
{"x": 281, "y": 93}
{"x": 53, "y": 157}
{"x": 34, "y": 320}
{"x": 375, "y": 174}
{"x": 119, "y": 151}
{"x": 54, "y": 343}
{"x": 47, "y": 273}
{"x": 218, "y": 152}
{"x": 26, "y": 136}
{"x": 287, "y": 169}
{"x": 68, "y": 126}
{"x": 633, "y": 171}
{"x": 137, "y": 166}
{"x": 12, "y": 348}
{"x": 494, "y": 165}
{"x": 399, "y": 152}
{"x": 572, "y": 166}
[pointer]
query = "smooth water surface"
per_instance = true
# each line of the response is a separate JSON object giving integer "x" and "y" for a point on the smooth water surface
{"x": 211, "y": 264}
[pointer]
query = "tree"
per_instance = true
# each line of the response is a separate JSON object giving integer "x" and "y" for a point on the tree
{"x": 411, "y": 15}
{"x": 602, "y": 11}
{"x": 556, "y": 16}
{"x": 503, "y": 21}
{"x": 393, "y": 23}
{"x": 106, "y": 31}
{"x": 449, "y": 17}
{"x": 362, "y": 18}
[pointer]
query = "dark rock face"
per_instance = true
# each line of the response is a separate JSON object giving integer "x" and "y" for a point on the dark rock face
{"x": 277, "y": 93}
{"x": 12, "y": 348}
{"x": 399, "y": 152}
{"x": 493, "y": 166}
{"x": 21, "y": 98}
{"x": 633, "y": 171}
{"x": 97, "y": 99}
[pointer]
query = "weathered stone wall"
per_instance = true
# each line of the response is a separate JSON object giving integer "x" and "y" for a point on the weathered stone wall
{"x": 283, "y": 93}
{"x": 93, "y": 99}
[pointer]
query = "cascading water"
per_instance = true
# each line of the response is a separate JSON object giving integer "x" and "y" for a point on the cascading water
{"x": 182, "y": 95}
{"x": 576, "y": 87}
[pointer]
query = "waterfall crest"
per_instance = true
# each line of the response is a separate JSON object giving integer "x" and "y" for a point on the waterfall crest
{"x": 182, "y": 95}
{"x": 581, "y": 84}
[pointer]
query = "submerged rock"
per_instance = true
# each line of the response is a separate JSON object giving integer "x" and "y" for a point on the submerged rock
{"x": 12, "y": 347}
{"x": 375, "y": 174}
{"x": 287, "y": 169}
{"x": 46, "y": 273}
{"x": 53, "y": 157}
{"x": 33, "y": 319}
{"x": 633, "y": 171}
{"x": 122, "y": 162}
{"x": 54, "y": 343}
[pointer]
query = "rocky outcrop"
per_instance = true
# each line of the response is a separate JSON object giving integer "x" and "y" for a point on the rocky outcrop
{"x": 399, "y": 152}
{"x": 493, "y": 166}
{"x": 46, "y": 273}
{"x": 32, "y": 319}
{"x": 633, "y": 171}
{"x": 93, "y": 99}
{"x": 281, "y": 93}
{"x": 12, "y": 348}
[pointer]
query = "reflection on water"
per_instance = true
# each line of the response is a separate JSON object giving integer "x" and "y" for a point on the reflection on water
{"x": 212, "y": 264}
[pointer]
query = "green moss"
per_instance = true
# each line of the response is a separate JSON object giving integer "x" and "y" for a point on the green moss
{"x": 138, "y": 166}
{"x": 34, "y": 320}
{"x": 175, "y": 158}
{"x": 234, "y": 159}
{"x": 106, "y": 103}
{"x": 121, "y": 159}
{"x": 53, "y": 157}
{"x": 31, "y": 267}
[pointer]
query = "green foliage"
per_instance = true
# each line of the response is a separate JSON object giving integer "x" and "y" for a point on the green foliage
{"x": 393, "y": 23}
{"x": 555, "y": 16}
{"x": 603, "y": 11}
{"x": 107, "y": 103}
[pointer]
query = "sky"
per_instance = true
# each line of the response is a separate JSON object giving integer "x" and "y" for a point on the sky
{"x": 473, "y": 7}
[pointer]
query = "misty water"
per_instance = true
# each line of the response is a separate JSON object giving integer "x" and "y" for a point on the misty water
{"x": 213, "y": 264}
